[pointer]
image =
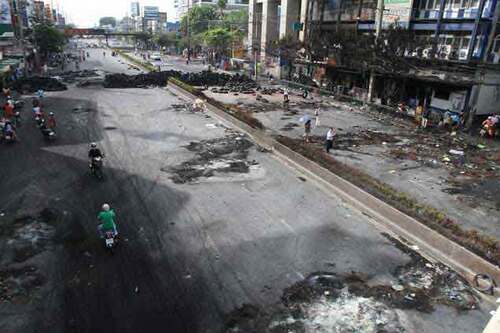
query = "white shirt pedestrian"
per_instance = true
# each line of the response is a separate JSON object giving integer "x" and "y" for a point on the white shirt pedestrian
{"x": 316, "y": 113}
{"x": 330, "y": 134}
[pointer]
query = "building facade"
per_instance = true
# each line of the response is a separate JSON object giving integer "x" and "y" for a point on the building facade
{"x": 463, "y": 33}
{"x": 135, "y": 9}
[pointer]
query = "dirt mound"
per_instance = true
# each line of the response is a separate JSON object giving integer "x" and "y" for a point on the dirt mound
{"x": 36, "y": 83}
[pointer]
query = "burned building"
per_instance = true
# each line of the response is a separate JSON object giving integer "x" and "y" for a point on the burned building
{"x": 455, "y": 67}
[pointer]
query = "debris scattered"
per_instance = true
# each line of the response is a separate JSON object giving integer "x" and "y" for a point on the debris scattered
{"x": 330, "y": 302}
{"x": 220, "y": 155}
{"x": 159, "y": 79}
{"x": 35, "y": 83}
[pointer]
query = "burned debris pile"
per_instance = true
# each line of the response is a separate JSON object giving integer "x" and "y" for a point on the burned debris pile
{"x": 159, "y": 79}
{"x": 355, "y": 302}
{"x": 72, "y": 76}
{"x": 36, "y": 83}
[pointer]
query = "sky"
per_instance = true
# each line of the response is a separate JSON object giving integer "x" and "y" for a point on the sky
{"x": 86, "y": 13}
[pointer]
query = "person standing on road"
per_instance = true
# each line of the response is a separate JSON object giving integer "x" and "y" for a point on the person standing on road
{"x": 316, "y": 114}
{"x": 307, "y": 130}
{"x": 329, "y": 139}
{"x": 425, "y": 117}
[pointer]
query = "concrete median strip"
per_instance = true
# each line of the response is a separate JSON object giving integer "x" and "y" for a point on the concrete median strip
{"x": 431, "y": 243}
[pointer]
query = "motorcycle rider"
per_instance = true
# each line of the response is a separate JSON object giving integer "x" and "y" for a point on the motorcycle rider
{"x": 8, "y": 109}
{"x": 51, "y": 121}
{"x": 94, "y": 152}
{"x": 9, "y": 130}
{"x": 107, "y": 218}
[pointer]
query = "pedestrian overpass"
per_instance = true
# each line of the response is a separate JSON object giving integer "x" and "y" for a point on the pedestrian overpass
{"x": 79, "y": 32}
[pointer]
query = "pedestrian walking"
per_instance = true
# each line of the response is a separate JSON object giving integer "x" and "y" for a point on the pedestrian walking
{"x": 307, "y": 131}
{"x": 329, "y": 139}
{"x": 425, "y": 117}
{"x": 286, "y": 93}
{"x": 316, "y": 114}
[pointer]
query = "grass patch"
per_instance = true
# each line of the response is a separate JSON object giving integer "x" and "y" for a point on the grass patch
{"x": 483, "y": 245}
{"x": 143, "y": 64}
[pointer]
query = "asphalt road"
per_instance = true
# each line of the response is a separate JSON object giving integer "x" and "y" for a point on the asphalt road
{"x": 190, "y": 252}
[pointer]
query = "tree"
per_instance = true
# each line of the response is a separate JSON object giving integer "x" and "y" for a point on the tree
{"x": 218, "y": 38}
{"x": 107, "y": 20}
{"x": 167, "y": 39}
{"x": 199, "y": 19}
{"x": 222, "y": 5}
{"x": 237, "y": 18}
{"x": 48, "y": 39}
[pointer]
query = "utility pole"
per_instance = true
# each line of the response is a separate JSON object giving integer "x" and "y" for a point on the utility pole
{"x": 188, "y": 33}
{"x": 378, "y": 29}
{"x": 19, "y": 25}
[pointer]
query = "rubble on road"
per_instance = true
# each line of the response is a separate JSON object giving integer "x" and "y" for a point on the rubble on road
{"x": 235, "y": 82}
{"x": 332, "y": 302}
{"x": 35, "y": 83}
{"x": 227, "y": 154}
{"x": 73, "y": 76}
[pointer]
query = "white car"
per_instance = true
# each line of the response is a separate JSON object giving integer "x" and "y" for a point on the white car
{"x": 156, "y": 56}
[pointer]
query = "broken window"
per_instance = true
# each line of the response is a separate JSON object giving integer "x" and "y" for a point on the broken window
{"x": 442, "y": 94}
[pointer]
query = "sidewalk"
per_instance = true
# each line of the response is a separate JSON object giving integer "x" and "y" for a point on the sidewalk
{"x": 466, "y": 188}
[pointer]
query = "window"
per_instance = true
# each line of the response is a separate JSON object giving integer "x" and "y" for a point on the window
{"x": 441, "y": 94}
{"x": 465, "y": 43}
{"x": 422, "y": 4}
{"x": 474, "y": 3}
{"x": 496, "y": 46}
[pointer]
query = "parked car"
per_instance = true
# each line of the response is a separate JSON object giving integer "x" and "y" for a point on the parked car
{"x": 156, "y": 56}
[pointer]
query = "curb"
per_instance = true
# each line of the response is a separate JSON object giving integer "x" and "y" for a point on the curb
{"x": 430, "y": 242}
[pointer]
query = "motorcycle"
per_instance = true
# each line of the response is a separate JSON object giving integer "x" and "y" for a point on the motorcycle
{"x": 110, "y": 239}
{"x": 48, "y": 133}
{"x": 17, "y": 118}
{"x": 17, "y": 104}
{"x": 96, "y": 167}
{"x": 39, "y": 121}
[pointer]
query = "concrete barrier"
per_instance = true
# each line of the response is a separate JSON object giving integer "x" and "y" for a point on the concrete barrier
{"x": 431, "y": 243}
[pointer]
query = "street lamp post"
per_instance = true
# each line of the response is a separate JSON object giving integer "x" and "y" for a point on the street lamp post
{"x": 378, "y": 29}
{"x": 188, "y": 33}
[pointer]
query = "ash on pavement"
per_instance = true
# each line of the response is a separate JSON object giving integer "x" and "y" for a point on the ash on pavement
{"x": 352, "y": 302}
{"x": 228, "y": 154}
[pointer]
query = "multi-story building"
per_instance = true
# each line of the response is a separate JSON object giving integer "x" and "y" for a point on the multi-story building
{"x": 135, "y": 9}
{"x": 463, "y": 34}
{"x": 38, "y": 10}
{"x": 162, "y": 22}
{"x": 127, "y": 24}
{"x": 48, "y": 13}
{"x": 150, "y": 18}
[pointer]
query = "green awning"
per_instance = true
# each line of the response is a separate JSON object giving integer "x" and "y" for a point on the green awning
{"x": 6, "y": 29}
